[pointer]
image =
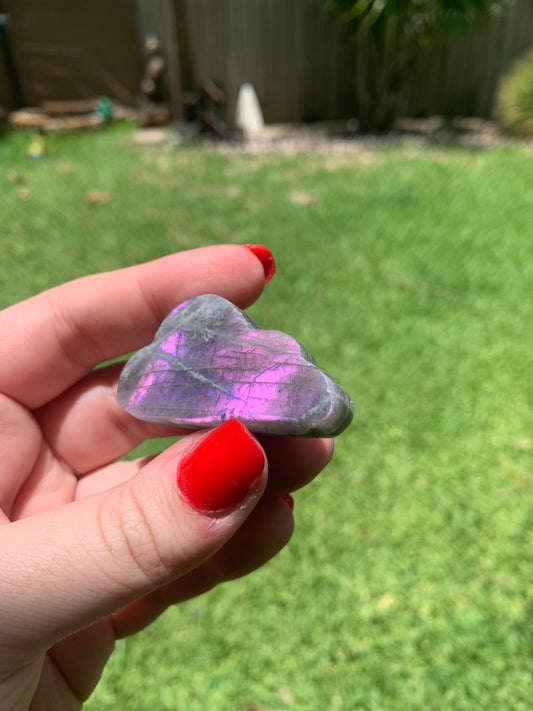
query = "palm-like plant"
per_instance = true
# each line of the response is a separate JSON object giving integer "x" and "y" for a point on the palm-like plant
{"x": 388, "y": 34}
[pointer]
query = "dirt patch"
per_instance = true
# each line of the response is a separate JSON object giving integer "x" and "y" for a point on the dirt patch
{"x": 341, "y": 138}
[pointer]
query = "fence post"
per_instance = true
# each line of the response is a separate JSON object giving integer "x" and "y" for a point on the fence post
{"x": 173, "y": 56}
{"x": 8, "y": 60}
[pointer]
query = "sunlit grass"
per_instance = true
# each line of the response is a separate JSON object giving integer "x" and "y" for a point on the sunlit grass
{"x": 407, "y": 273}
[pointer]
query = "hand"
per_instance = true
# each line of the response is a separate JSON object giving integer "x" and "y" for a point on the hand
{"x": 93, "y": 549}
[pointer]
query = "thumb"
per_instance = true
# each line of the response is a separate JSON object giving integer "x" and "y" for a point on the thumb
{"x": 64, "y": 569}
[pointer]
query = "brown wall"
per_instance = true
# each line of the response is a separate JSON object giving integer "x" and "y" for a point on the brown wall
{"x": 5, "y": 93}
{"x": 73, "y": 49}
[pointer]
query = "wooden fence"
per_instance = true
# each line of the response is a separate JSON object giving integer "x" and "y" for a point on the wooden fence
{"x": 70, "y": 49}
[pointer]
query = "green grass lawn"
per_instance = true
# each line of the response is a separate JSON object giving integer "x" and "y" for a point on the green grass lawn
{"x": 408, "y": 273}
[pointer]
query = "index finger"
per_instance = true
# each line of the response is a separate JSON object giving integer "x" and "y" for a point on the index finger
{"x": 50, "y": 341}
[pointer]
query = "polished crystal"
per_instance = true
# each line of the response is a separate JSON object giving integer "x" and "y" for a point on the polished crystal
{"x": 210, "y": 362}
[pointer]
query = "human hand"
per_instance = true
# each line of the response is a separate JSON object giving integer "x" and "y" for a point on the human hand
{"x": 93, "y": 549}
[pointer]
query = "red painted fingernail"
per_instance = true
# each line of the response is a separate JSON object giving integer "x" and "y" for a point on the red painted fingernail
{"x": 288, "y": 500}
{"x": 222, "y": 468}
{"x": 265, "y": 257}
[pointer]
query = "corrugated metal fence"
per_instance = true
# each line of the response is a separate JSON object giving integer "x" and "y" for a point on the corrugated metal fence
{"x": 461, "y": 75}
{"x": 303, "y": 67}
{"x": 288, "y": 49}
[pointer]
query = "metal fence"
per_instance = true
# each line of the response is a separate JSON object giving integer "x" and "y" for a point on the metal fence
{"x": 303, "y": 67}
{"x": 461, "y": 75}
{"x": 301, "y": 64}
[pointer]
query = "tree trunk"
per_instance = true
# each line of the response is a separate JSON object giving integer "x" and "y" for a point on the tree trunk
{"x": 383, "y": 62}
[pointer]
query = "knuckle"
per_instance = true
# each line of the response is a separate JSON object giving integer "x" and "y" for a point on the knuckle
{"x": 129, "y": 536}
{"x": 76, "y": 342}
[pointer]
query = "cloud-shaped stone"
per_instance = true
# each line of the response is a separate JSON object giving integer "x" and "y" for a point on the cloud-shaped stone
{"x": 210, "y": 362}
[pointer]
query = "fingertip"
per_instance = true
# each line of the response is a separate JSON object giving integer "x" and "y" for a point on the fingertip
{"x": 328, "y": 445}
{"x": 287, "y": 498}
{"x": 265, "y": 256}
{"x": 295, "y": 461}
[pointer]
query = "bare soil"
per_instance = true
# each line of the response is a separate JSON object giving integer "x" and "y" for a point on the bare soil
{"x": 341, "y": 137}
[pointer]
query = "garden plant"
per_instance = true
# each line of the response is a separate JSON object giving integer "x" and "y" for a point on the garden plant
{"x": 388, "y": 35}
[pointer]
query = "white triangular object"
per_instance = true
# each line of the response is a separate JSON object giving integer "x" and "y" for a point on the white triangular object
{"x": 248, "y": 114}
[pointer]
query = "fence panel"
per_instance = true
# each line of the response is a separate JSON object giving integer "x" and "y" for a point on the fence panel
{"x": 74, "y": 50}
{"x": 461, "y": 74}
{"x": 288, "y": 49}
{"x": 303, "y": 67}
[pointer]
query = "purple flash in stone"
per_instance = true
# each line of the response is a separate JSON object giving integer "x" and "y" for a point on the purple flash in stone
{"x": 210, "y": 362}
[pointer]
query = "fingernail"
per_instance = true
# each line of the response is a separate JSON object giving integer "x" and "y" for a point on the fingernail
{"x": 222, "y": 468}
{"x": 288, "y": 500}
{"x": 265, "y": 257}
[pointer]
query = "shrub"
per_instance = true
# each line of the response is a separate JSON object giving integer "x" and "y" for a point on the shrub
{"x": 388, "y": 34}
{"x": 514, "y": 107}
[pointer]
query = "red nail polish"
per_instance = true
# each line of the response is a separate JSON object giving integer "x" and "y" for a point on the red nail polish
{"x": 265, "y": 257}
{"x": 222, "y": 468}
{"x": 288, "y": 500}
